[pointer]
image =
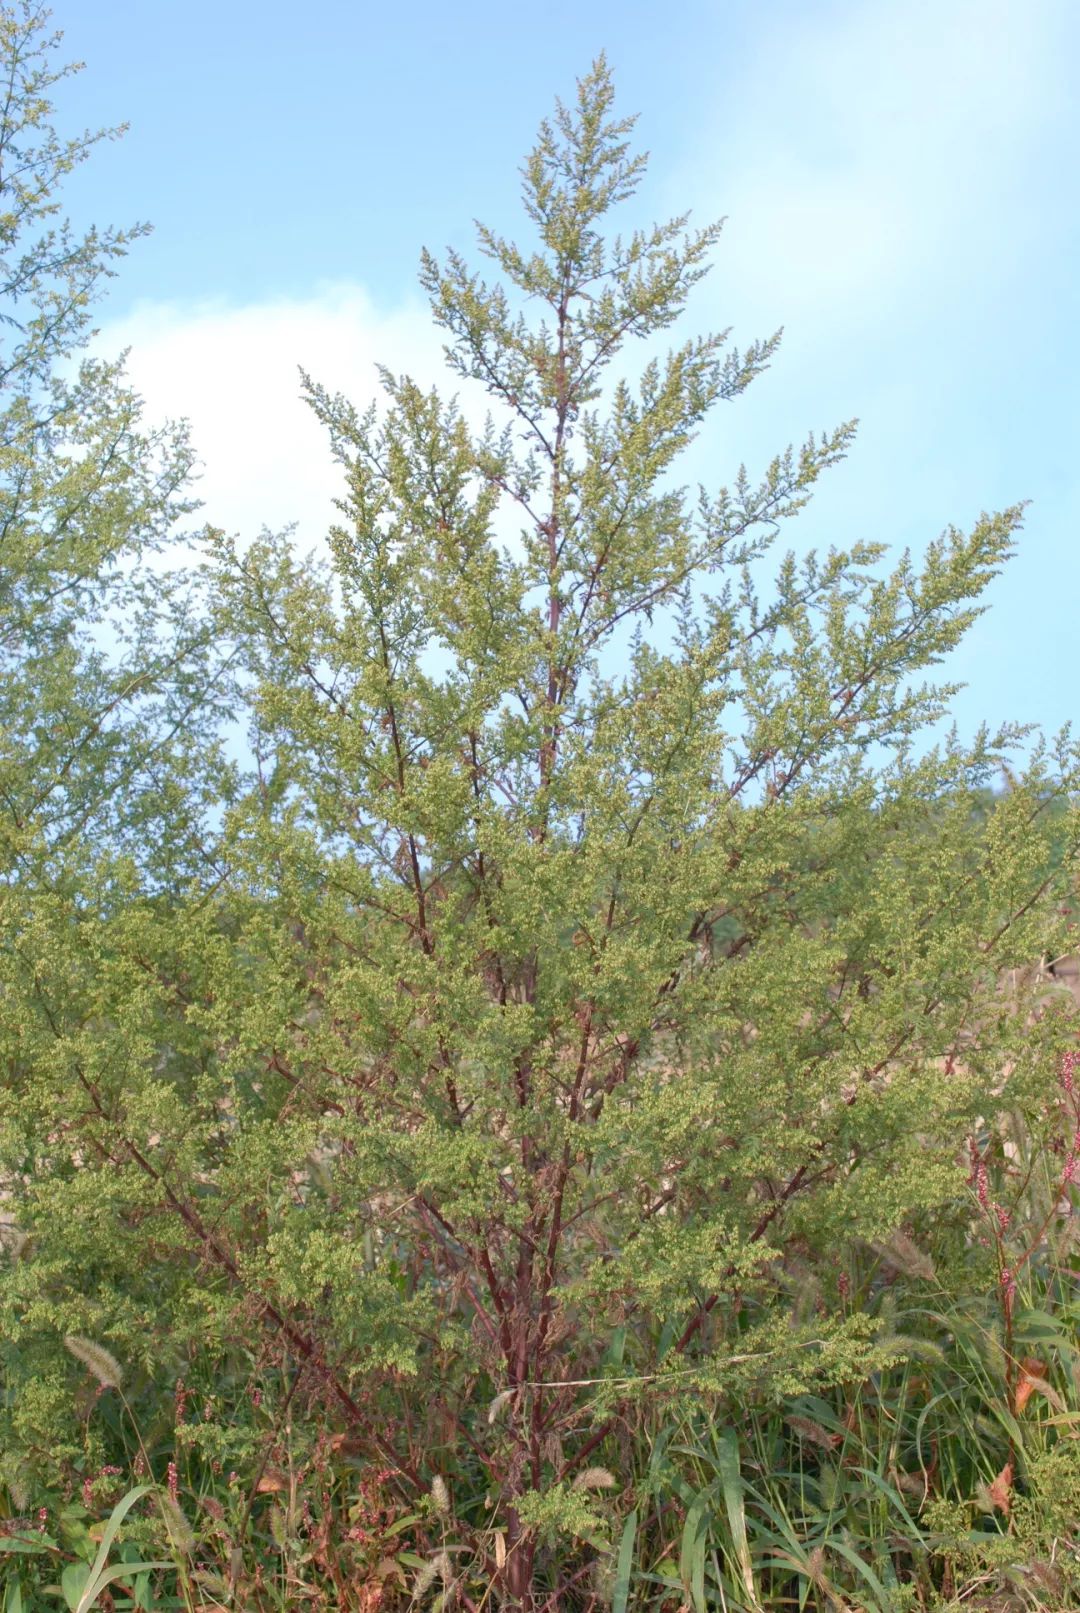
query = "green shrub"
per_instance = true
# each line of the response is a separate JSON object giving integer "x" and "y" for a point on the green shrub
{"x": 595, "y": 984}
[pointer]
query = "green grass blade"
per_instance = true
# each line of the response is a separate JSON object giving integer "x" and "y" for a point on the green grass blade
{"x": 624, "y": 1566}
{"x": 731, "y": 1483}
{"x": 692, "y": 1551}
{"x": 116, "y": 1518}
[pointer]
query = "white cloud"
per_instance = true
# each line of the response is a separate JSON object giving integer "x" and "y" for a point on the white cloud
{"x": 233, "y": 373}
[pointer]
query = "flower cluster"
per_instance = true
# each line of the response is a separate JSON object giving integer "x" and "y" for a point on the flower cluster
{"x": 92, "y": 1480}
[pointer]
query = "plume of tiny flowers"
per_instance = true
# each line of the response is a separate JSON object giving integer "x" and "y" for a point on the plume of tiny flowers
{"x": 172, "y": 1479}
{"x": 974, "y": 1157}
{"x": 1072, "y": 1160}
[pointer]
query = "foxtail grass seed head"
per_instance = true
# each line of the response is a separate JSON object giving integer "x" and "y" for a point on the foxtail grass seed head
{"x": 498, "y": 1403}
{"x": 96, "y": 1359}
{"x": 180, "y": 1531}
{"x": 595, "y": 1478}
{"x": 431, "y": 1571}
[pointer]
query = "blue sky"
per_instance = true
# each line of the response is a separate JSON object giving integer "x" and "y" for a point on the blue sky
{"x": 899, "y": 179}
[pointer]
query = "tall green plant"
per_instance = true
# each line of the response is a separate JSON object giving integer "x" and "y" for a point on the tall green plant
{"x": 603, "y": 946}
{"x": 93, "y": 674}
{"x": 106, "y": 672}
